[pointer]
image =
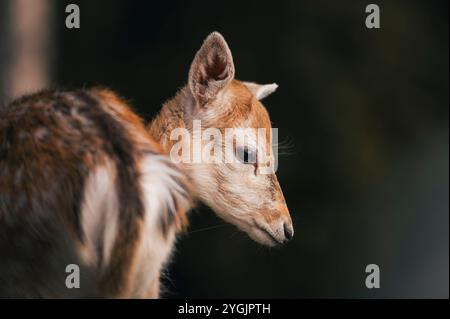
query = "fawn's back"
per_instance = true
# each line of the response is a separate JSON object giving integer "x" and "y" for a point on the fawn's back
{"x": 81, "y": 182}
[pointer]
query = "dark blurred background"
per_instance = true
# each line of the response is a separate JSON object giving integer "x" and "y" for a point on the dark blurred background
{"x": 365, "y": 113}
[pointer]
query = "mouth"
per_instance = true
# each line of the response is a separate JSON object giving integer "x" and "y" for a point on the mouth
{"x": 259, "y": 233}
{"x": 269, "y": 238}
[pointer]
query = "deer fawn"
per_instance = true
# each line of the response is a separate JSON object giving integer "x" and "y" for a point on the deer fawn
{"x": 82, "y": 181}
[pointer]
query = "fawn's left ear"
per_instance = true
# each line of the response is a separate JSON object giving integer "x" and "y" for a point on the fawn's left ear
{"x": 261, "y": 91}
{"x": 211, "y": 70}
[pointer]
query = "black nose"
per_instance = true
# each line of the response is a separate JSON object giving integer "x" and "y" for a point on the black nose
{"x": 288, "y": 232}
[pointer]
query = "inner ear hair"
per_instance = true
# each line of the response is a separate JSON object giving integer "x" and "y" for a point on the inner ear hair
{"x": 211, "y": 70}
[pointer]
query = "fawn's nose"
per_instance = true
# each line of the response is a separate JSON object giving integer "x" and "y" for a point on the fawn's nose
{"x": 288, "y": 231}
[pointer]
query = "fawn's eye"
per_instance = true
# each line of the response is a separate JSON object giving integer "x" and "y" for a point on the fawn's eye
{"x": 246, "y": 156}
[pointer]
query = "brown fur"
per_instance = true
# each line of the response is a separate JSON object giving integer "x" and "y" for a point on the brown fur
{"x": 49, "y": 142}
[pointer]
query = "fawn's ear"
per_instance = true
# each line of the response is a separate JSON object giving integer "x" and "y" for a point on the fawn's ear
{"x": 261, "y": 91}
{"x": 211, "y": 70}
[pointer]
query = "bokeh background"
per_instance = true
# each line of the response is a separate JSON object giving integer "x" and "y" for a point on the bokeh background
{"x": 364, "y": 115}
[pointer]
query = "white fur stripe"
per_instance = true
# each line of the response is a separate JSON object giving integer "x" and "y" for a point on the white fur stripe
{"x": 160, "y": 188}
{"x": 99, "y": 214}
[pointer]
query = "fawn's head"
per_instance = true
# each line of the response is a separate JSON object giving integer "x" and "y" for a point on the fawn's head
{"x": 244, "y": 192}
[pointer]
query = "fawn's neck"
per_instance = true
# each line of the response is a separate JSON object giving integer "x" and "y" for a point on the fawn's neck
{"x": 175, "y": 113}
{"x": 172, "y": 115}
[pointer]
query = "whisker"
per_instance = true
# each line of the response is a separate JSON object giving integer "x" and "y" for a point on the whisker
{"x": 285, "y": 147}
{"x": 208, "y": 228}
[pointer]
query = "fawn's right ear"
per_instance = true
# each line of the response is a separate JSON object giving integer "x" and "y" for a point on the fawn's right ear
{"x": 211, "y": 70}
